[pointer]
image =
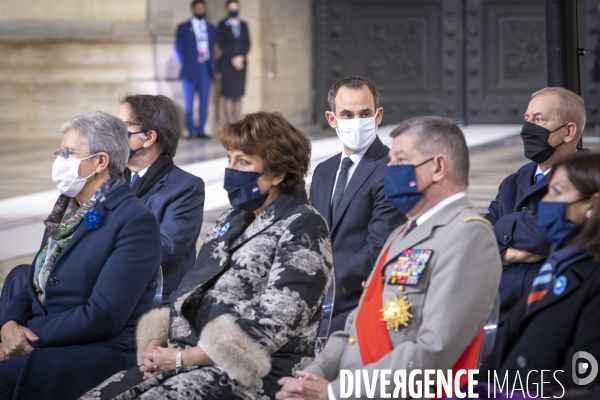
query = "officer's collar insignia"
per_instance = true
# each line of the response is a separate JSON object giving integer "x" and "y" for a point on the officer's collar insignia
{"x": 395, "y": 313}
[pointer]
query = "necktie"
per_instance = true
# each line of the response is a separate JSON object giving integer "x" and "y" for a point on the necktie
{"x": 134, "y": 179}
{"x": 538, "y": 177}
{"x": 411, "y": 226}
{"x": 340, "y": 185}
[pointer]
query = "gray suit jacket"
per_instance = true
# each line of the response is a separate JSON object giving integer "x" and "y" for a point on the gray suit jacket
{"x": 450, "y": 304}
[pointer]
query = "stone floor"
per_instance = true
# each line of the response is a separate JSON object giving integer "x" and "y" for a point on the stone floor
{"x": 490, "y": 164}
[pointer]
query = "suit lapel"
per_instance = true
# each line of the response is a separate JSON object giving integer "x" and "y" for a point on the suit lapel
{"x": 527, "y": 186}
{"x": 154, "y": 188}
{"x": 363, "y": 171}
{"x": 330, "y": 168}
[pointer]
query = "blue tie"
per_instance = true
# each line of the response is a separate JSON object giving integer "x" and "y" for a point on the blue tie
{"x": 134, "y": 179}
{"x": 538, "y": 177}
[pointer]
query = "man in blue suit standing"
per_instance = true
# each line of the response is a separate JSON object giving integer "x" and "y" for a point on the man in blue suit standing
{"x": 554, "y": 122}
{"x": 174, "y": 196}
{"x": 347, "y": 190}
{"x": 194, "y": 49}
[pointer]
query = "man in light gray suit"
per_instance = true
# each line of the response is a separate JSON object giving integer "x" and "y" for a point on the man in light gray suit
{"x": 435, "y": 281}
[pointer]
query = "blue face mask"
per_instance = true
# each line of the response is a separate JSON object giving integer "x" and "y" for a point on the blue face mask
{"x": 400, "y": 184}
{"x": 552, "y": 218}
{"x": 243, "y": 190}
{"x": 233, "y": 14}
{"x": 131, "y": 151}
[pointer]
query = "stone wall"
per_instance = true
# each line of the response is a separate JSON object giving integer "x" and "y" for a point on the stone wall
{"x": 60, "y": 58}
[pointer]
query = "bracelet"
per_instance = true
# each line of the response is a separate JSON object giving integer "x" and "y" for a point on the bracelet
{"x": 178, "y": 359}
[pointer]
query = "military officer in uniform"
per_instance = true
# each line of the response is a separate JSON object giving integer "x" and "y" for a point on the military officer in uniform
{"x": 435, "y": 281}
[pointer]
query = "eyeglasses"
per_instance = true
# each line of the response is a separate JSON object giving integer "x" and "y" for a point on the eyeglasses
{"x": 133, "y": 133}
{"x": 66, "y": 152}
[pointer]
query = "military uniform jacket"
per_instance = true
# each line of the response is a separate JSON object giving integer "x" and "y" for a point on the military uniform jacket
{"x": 450, "y": 303}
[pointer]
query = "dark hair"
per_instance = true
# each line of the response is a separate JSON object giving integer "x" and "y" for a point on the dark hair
{"x": 283, "y": 148}
{"x": 231, "y": 1}
{"x": 352, "y": 82}
{"x": 583, "y": 170}
{"x": 197, "y": 2}
{"x": 437, "y": 135}
{"x": 159, "y": 114}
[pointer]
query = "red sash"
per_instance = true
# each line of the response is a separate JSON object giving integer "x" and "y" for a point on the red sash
{"x": 371, "y": 331}
{"x": 468, "y": 360}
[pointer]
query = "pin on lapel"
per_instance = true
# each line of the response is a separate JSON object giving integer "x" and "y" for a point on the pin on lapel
{"x": 560, "y": 285}
{"x": 224, "y": 229}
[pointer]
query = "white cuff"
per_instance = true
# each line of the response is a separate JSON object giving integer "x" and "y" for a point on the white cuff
{"x": 330, "y": 394}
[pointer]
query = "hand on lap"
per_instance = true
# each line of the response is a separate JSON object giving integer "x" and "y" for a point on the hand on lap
{"x": 308, "y": 387}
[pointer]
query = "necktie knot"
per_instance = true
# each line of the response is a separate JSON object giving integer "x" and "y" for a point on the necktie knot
{"x": 347, "y": 163}
{"x": 538, "y": 177}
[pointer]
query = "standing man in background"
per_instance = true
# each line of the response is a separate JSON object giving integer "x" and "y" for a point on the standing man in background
{"x": 194, "y": 50}
{"x": 347, "y": 190}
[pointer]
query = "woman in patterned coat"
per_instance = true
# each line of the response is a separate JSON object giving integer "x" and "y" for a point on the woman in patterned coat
{"x": 247, "y": 314}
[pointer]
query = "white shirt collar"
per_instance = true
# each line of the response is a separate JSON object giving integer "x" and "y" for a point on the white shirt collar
{"x": 141, "y": 173}
{"x": 448, "y": 200}
{"x": 356, "y": 157}
{"x": 539, "y": 171}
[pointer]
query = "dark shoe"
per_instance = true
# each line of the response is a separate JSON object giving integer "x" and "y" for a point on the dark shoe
{"x": 203, "y": 137}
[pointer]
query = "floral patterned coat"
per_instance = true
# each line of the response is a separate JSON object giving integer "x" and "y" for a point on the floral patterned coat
{"x": 252, "y": 302}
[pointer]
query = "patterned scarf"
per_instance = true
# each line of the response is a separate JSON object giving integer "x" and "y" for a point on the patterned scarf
{"x": 61, "y": 224}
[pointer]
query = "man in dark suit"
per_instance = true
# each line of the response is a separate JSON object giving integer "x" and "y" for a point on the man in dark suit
{"x": 194, "y": 49}
{"x": 554, "y": 121}
{"x": 347, "y": 190}
{"x": 174, "y": 196}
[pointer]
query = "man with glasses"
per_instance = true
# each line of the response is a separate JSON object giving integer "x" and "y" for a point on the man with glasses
{"x": 554, "y": 122}
{"x": 174, "y": 196}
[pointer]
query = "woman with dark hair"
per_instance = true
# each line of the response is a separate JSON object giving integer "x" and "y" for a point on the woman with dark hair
{"x": 234, "y": 40}
{"x": 560, "y": 316}
{"x": 247, "y": 314}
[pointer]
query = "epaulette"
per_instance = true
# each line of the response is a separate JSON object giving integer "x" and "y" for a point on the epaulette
{"x": 468, "y": 219}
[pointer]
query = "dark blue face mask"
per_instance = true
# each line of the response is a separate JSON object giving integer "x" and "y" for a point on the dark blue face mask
{"x": 243, "y": 190}
{"x": 552, "y": 218}
{"x": 199, "y": 16}
{"x": 233, "y": 14}
{"x": 400, "y": 184}
{"x": 131, "y": 151}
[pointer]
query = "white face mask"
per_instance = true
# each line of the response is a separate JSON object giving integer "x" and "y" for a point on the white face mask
{"x": 357, "y": 133}
{"x": 65, "y": 175}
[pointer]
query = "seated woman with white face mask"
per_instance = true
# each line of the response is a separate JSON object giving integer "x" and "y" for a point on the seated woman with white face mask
{"x": 247, "y": 314}
{"x": 560, "y": 316}
{"x": 73, "y": 324}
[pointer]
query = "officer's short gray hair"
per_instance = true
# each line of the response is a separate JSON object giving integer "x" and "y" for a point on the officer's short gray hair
{"x": 570, "y": 106}
{"x": 101, "y": 131}
{"x": 436, "y": 135}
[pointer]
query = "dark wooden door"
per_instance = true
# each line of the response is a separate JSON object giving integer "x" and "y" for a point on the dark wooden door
{"x": 475, "y": 61}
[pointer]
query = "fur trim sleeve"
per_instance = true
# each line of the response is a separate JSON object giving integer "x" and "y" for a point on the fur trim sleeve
{"x": 232, "y": 349}
{"x": 153, "y": 325}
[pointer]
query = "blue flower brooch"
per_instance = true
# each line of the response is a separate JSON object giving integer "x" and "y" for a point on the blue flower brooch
{"x": 92, "y": 219}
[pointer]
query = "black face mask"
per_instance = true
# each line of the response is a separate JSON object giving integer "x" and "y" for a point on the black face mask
{"x": 535, "y": 137}
{"x": 199, "y": 16}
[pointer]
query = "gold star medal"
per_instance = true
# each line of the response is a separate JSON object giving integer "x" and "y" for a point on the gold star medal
{"x": 395, "y": 313}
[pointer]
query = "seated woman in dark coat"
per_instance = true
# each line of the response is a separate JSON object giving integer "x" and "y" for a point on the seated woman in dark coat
{"x": 560, "y": 316}
{"x": 247, "y": 314}
{"x": 73, "y": 325}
